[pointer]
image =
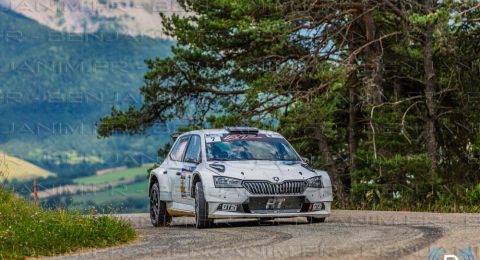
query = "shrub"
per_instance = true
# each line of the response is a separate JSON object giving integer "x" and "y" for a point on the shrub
{"x": 27, "y": 232}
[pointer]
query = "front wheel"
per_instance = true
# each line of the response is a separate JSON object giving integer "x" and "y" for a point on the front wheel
{"x": 158, "y": 209}
{"x": 201, "y": 208}
{"x": 313, "y": 220}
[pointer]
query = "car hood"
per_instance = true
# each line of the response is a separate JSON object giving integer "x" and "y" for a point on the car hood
{"x": 265, "y": 170}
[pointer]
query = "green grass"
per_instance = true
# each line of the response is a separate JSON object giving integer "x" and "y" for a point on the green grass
{"x": 128, "y": 174}
{"x": 26, "y": 232}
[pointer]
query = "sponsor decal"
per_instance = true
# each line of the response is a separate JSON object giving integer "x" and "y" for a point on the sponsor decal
{"x": 230, "y": 138}
{"x": 213, "y": 138}
{"x": 229, "y": 207}
{"x": 274, "y": 203}
{"x": 189, "y": 168}
{"x": 317, "y": 206}
{"x": 183, "y": 189}
{"x": 185, "y": 181}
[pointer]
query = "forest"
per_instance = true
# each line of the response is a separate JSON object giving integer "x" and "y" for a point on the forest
{"x": 384, "y": 95}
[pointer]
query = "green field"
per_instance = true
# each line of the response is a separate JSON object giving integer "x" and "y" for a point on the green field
{"x": 112, "y": 177}
{"x": 137, "y": 190}
{"x": 129, "y": 197}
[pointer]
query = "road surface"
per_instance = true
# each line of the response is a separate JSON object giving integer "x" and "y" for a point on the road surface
{"x": 345, "y": 235}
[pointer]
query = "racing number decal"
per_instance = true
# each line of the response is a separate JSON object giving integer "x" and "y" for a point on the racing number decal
{"x": 275, "y": 203}
{"x": 212, "y": 138}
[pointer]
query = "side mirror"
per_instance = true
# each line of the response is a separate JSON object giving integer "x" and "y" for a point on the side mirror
{"x": 305, "y": 160}
{"x": 175, "y": 136}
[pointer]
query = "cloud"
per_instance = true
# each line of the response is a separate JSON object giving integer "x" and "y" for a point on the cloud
{"x": 130, "y": 17}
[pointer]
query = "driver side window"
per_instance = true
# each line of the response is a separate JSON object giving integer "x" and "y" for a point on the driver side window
{"x": 193, "y": 151}
{"x": 177, "y": 152}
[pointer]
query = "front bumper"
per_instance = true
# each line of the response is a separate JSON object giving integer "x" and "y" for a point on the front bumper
{"x": 241, "y": 197}
{"x": 223, "y": 215}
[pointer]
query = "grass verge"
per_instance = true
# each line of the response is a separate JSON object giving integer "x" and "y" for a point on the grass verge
{"x": 26, "y": 232}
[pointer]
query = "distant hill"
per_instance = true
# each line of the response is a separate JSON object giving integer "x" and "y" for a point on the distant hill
{"x": 55, "y": 86}
{"x": 15, "y": 168}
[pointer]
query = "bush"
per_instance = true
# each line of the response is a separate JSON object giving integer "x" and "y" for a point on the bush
{"x": 26, "y": 232}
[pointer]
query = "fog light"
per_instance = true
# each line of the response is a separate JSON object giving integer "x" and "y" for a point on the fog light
{"x": 228, "y": 207}
{"x": 318, "y": 206}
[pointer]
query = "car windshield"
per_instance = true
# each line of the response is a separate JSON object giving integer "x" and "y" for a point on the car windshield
{"x": 271, "y": 149}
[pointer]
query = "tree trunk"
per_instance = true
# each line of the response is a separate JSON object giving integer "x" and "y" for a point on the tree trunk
{"x": 330, "y": 164}
{"x": 353, "y": 112}
{"x": 373, "y": 77}
{"x": 396, "y": 89}
{"x": 430, "y": 91}
{"x": 354, "y": 109}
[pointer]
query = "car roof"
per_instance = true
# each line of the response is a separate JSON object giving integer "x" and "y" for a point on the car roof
{"x": 222, "y": 131}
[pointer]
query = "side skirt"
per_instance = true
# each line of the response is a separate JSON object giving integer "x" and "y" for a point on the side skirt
{"x": 180, "y": 210}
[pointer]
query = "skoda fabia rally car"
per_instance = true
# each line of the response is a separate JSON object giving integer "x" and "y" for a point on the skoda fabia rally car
{"x": 238, "y": 172}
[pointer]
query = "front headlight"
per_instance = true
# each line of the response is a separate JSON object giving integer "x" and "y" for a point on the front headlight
{"x": 315, "y": 182}
{"x": 226, "y": 182}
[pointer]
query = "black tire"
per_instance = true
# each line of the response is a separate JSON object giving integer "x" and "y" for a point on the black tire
{"x": 201, "y": 208}
{"x": 158, "y": 209}
{"x": 313, "y": 220}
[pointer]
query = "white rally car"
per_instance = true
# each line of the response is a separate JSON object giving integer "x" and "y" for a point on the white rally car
{"x": 238, "y": 172}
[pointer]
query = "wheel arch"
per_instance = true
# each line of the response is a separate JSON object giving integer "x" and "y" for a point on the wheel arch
{"x": 152, "y": 180}
{"x": 159, "y": 176}
{"x": 196, "y": 178}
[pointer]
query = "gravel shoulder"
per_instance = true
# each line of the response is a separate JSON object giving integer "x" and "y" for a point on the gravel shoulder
{"x": 345, "y": 235}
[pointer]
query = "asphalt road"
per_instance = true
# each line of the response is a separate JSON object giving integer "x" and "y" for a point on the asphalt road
{"x": 345, "y": 235}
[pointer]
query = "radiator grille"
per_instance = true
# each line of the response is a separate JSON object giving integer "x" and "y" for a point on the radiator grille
{"x": 268, "y": 188}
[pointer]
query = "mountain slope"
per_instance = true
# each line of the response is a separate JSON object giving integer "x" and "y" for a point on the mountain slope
{"x": 15, "y": 168}
{"x": 55, "y": 86}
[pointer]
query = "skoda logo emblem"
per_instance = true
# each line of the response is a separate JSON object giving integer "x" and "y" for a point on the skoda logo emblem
{"x": 276, "y": 178}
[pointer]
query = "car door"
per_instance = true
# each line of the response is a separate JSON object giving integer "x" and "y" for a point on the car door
{"x": 191, "y": 160}
{"x": 175, "y": 166}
